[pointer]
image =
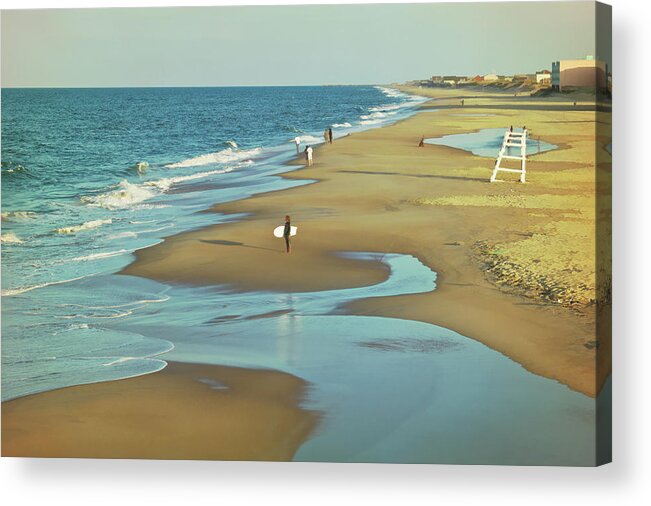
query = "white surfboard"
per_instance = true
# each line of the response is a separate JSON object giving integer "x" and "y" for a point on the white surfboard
{"x": 278, "y": 231}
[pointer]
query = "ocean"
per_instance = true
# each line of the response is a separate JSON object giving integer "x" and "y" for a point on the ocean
{"x": 91, "y": 175}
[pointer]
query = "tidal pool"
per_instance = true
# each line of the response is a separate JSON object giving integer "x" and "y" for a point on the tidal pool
{"x": 487, "y": 142}
{"x": 389, "y": 390}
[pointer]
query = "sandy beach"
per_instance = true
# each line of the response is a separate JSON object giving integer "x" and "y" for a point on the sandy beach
{"x": 185, "y": 411}
{"x": 517, "y": 270}
{"x": 515, "y": 263}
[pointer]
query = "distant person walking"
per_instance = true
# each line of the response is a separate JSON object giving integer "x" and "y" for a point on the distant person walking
{"x": 308, "y": 155}
{"x": 326, "y": 136}
{"x": 462, "y": 102}
{"x": 511, "y": 129}
{"x": 286, "y": 233}
{"x": 330, "y": 134}
{"x": 421, "y": 144}
{"x": 297, "y": 140}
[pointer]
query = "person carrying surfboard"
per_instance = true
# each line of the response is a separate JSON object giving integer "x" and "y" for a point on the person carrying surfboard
{"x": 287, "y": 232}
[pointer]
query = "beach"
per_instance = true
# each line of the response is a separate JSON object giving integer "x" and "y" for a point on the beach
{"x": 517, "y": 269}
{"x": 378, "y": 192}
{"x": 186, "y": 411}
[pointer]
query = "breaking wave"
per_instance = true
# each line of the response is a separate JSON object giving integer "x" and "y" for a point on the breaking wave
{"x": 227, "y": 155}
{"x": 18, "y": 215}
{"x": 89, "y": 225}
{"x": 126, "y": 195}
{"x": 166, "y": 183}
{"x": 10, "y": 238}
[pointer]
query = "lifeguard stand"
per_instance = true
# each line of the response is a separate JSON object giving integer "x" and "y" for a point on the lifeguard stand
{"x": 513, "y": 140}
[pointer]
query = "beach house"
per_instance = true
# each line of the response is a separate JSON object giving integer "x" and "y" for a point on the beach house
{"x": 573, "y": 74}
{"x": 544, "y": 77}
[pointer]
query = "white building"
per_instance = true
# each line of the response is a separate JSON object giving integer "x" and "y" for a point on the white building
{"x": 544, "y": 77}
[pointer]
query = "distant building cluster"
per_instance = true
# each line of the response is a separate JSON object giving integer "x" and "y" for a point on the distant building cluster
{"x": 565, "y": 75}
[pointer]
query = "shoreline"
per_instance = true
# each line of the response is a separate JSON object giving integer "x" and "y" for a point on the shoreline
{"x": 185, "y": 411}
{"x": 350, "y": 208}
{"x": 376, "y": 191}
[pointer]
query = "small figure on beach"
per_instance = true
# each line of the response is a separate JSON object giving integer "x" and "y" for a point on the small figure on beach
{"x": 286, "y": 233}
{"x": 326, "y": 135}
{"x": 422, "y": 142}
{"x": 308, "y": 155}
{"x": 330, "y": 134}
{"x": 462, "y": 102}
{"x": 297, "y": 140}
{"x": 511, "y": 129}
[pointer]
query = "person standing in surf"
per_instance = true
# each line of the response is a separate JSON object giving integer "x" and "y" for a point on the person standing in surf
{"x": 330, "y": 134}
{"x": 297, "y": 141}
{"x": 286, "y": 233}
{"x": 325, "y": 135}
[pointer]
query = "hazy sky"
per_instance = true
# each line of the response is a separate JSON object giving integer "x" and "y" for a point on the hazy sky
{"x": 288, "y": 45}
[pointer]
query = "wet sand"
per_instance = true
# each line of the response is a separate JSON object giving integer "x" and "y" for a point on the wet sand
{"x": 185, "y": 411}
{"x": 516, "y": 263}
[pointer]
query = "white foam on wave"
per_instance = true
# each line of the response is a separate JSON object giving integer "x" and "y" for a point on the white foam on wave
{"x": 390, "y": 92}
{"x": 342, "y": 125}
{"x": 227, "y": 155}
{"x": 16, "y": 291}
{"x": 10, "y": 238}
{"x": 98, "y": 256}
{"x": 125, "y": 195}
{"x": 89, "y": 225}
{"x": 167, "y": 182}
{"x": 310, "y": 139}
{"x": 377, "y": 115}
{"x": 370, "y": 122}
{"x": 140, "y": 167}
{"x": 18, "y": 215}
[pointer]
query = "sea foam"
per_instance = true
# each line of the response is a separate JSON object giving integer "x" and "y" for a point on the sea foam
{"x": 10, "y": 238}
{"x": 18, "y": 215}
{"x": 166, "y": 183}
{"x": 126, "y": 195}
{"x": 89, "y": 225}
{"x": 227, "y": 155}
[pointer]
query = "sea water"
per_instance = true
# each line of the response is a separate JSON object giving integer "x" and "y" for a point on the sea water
{"x": 91, "y": 175}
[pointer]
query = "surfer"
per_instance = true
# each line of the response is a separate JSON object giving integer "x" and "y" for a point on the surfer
{"x": 287, "y": 232}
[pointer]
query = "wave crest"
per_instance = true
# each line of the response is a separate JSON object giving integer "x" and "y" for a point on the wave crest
{"x": 227, "y": 155}
{"x": 89, "y": 225}
{"x": 10, "y": 238}
{"x": 126, "y": 195}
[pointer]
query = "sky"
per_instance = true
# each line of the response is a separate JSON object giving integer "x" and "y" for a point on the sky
{"x": 288, "y": 45}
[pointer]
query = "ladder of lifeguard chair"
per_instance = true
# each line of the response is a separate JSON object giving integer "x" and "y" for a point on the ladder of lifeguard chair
{"x": 512, "y": 139}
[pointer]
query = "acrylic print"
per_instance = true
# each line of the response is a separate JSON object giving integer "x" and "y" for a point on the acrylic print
{"x": 343, "y": 233}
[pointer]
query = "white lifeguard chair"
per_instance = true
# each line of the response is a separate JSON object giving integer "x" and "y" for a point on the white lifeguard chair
{"x": 512, "y": 140}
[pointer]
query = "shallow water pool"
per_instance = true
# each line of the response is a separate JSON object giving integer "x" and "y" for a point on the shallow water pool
{"x": 487, "y": 142}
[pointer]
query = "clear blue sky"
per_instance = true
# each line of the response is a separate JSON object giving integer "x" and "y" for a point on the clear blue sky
{"x": 288, "y": 45}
